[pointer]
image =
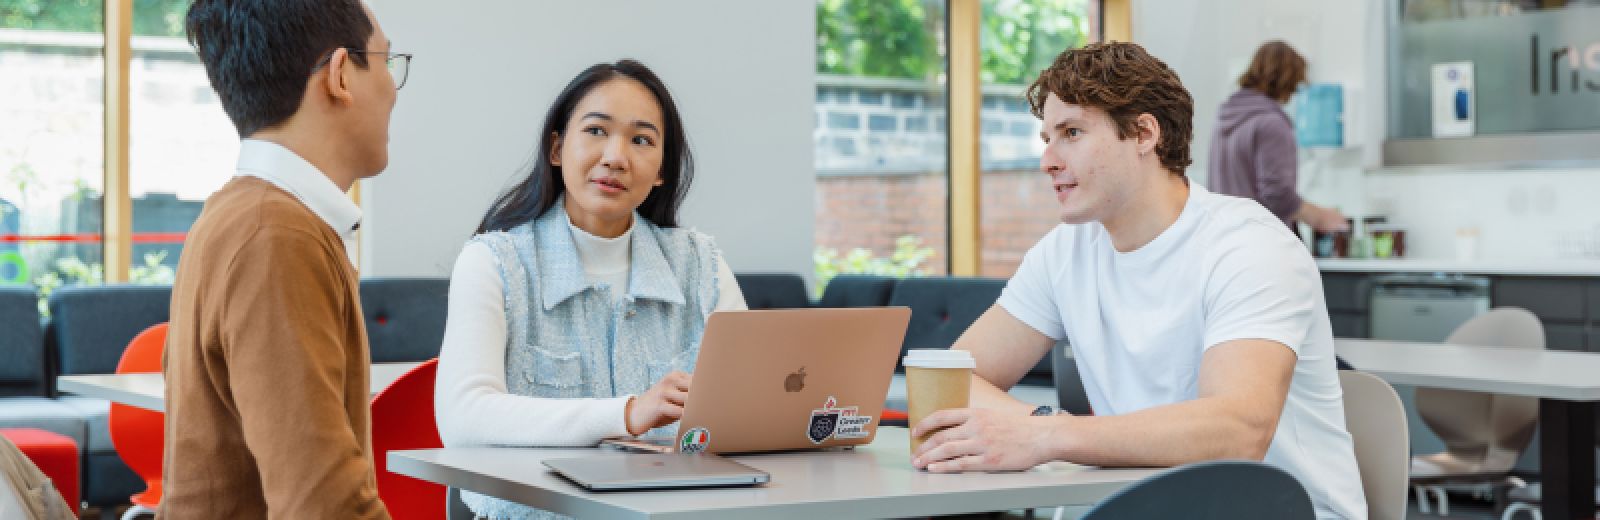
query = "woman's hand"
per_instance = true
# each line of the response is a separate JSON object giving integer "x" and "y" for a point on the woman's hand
{"x": 660, "y": 405}
{"x": 1324, "y": 220}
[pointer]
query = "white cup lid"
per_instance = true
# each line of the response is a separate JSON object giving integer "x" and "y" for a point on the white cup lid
{"x": 938, "y": 358}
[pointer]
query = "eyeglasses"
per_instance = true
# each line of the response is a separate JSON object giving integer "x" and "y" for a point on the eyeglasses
{"x": 399, "y": 64}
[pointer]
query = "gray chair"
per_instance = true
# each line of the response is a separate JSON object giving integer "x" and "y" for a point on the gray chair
{"x": 1377, "y": 423}
{"x": 23, "y": 372}
{"x": 405, "y": 317}
{"x": 856, "y": 290}
{"x": 22, "y": 360}
{"x": 1484, "y": 434}
{"x": 942, "y": 308}
{"x": 773, "y": 290}
{"x": 1069, "y": 386}
{"x": 1527, "y": 498}
{"x": 1216, "y": 490}
{"x": 89, "y": 328}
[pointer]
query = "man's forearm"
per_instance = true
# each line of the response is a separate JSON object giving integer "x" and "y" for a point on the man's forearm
{"x": 1181, "y": 433}
{"x": 987, "y": 395}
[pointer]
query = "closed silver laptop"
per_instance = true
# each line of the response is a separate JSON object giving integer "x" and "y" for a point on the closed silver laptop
{"x": 634, "y": 471}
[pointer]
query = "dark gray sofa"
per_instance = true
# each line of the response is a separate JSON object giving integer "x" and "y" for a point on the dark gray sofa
{"x": 941, "y": 309}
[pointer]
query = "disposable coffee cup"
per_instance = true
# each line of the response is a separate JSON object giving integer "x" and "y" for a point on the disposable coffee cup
{"x": 936, "y": 379}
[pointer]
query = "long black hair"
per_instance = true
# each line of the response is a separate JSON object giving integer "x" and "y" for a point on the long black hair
{"x": 536, "y": 194}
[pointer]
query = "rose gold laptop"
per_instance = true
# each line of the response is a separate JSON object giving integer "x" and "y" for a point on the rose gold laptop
{"x": 786, "y": 379}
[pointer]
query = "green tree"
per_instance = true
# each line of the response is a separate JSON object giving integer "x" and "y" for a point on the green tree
{"x": 1021, "y": 37}
{"x": 150, "y": 17}
{"x": 901, "y": 38}
{"x": 879, "y": 38}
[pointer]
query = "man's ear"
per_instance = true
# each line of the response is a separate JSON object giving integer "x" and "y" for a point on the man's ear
{"x": 555, "y": 149}
{"x": 336, "y": 83}
{"x": 1149, "y": 133}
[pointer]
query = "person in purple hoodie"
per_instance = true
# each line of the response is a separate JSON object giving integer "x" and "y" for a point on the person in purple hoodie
{"x": 1253, "y": 151}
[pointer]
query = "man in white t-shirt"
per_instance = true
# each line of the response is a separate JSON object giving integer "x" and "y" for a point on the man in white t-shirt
{"x": 1197, "y": 319}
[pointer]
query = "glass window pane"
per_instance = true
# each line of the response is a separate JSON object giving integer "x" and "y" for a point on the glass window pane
{"x": 1460, "y": 68}
{"x": 1020, "y": 38}
{"x": 182, "y": 147}
{"x": 880, "y": 143}
{"x": 51, "y": 159}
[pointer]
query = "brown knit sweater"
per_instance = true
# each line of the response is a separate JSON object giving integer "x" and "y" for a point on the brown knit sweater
{"x": 266, "y": 367}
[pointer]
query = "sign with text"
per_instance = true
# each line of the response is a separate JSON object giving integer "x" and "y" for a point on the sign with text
{"x": 1525, "y": 73}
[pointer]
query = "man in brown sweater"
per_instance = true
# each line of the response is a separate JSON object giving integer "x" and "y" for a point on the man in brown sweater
{"x": 266, "y": 361}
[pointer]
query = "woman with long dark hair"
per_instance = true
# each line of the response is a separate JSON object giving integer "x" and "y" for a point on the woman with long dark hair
{"x": 576, "y": 310}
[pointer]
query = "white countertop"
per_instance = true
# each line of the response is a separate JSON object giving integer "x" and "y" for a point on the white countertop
{"x": 1552, "y": 267}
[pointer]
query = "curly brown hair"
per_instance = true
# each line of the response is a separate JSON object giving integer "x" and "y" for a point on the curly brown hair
{"x": 1276, "y": 70}
{"x": 1125, "y": 81}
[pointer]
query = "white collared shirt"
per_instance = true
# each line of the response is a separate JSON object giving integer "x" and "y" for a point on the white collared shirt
{"x": 288, "y": 171}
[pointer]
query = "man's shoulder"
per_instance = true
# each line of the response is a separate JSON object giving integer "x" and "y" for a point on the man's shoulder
{"x": 248, "y": 205}
{"x": 1227, "y": 218}
{"x": 250, "y": 217}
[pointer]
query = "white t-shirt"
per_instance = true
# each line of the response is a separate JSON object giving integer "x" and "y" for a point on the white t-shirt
{"x": 1138, "y": 323}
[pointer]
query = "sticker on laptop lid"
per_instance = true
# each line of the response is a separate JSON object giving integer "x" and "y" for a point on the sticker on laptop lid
{"x": 835, "y": 422}
{"x": 696, "y": 440}
{"x": 853, "y": 426}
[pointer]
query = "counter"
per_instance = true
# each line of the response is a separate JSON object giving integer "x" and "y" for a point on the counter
{"x": 1555, "y": 267}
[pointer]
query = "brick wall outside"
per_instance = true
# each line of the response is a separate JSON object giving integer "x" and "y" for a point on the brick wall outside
{"x": 870, "y": 211}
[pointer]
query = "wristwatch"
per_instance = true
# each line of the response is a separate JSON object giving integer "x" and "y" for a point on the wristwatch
{"x": 1043, "y": 411}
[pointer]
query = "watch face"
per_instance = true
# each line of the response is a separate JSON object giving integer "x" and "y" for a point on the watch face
{"x": 1043, "y": 410}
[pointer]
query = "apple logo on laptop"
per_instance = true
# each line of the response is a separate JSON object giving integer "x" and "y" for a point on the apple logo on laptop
{"x": 795, "y": 382}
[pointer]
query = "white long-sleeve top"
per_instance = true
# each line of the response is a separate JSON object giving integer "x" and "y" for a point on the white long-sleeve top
{"x": 471, "y": 404}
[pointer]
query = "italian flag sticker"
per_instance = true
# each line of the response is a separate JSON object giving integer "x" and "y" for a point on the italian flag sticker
{"x": 694, "y": 441}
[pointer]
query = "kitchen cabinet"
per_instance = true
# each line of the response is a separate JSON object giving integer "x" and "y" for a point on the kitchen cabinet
{"x": 1345, "y": 292}
{"x": 1594, "y": 301}
{"x": 1567, "y": 306}
{"x": 1563, "y": 336}
{"x": 1557, "y": 300}
{"x": 1346, "y": 295}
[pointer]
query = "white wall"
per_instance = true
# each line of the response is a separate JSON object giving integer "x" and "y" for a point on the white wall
{"x": 486, "y": 71}
{"x": 1520, "y": 214}
{"x": 1210, "y": 42}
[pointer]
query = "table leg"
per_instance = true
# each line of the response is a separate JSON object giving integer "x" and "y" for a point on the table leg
{"x": 1566, "y": 459}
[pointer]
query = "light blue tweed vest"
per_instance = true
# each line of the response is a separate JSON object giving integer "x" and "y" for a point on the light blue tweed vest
{"x": 567, "y": 338}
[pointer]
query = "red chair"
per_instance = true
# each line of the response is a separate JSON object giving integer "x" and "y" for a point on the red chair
{"x": 139, "y": 434}
{"x": 402, "y": 419}
{"x": 56, "y": 456}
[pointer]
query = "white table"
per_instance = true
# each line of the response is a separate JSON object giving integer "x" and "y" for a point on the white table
{"x": 873, "y": 481}
{"x": 1566, "y": 383}
{"x": 148, "y": 390}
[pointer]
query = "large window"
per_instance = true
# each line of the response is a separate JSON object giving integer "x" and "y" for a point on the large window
{"x": 52, "y": 98}
{"x": 182, "y": 146}
{"x": 880, "y": 138}
{"x": 51, "y": 127}
{"x": 1019, "y": 39}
